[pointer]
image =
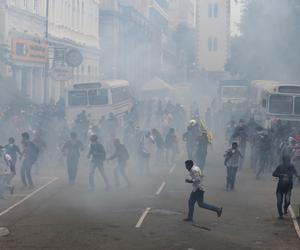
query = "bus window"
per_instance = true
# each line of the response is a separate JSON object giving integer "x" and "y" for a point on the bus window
{"x": 77, "y": 98}
{"x": 297, "y": 105}
{"x": 281, "y": 104}
{"x": 120, "y": 94}
{"x": 98, "y": 97}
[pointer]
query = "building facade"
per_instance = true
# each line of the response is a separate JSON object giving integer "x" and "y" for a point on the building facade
{"x": 132, "y": 37}
{"x": 213, "y": 34}
{"x": 182, "y": 11}
{"x": 73, "y": 25}
{"x": 25, "y": 43}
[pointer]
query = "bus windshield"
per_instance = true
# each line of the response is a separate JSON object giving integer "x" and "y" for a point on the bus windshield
{"x": 98, "y": 97}
{"x": 297, "y": 105}
{"x": 78, "y": 98}
{"x": 281, "y": 104}
{"x": 234, "y": 92}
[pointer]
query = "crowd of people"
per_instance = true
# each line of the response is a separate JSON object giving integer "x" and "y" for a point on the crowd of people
{"x": 153, "y": 134}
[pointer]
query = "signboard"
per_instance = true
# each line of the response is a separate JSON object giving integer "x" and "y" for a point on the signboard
{"x": 74, "y": 58}
{"x": 29, "y": 51}
{"x": 61, "y": 73}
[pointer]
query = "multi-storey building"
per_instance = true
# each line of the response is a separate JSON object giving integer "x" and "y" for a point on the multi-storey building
{"x": 73, "y": 24}
{"x": 22, "y": 33}
{"x": 213, "y": 34}
{"x": 132, "y": 36}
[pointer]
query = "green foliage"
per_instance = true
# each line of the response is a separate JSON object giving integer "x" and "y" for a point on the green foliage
{"x": 269, "y": 46}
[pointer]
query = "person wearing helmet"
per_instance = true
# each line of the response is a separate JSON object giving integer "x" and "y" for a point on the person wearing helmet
{"x": 71, "y": 149}
{"x": 285, "y": 173}
{"x": 98, "y": 154}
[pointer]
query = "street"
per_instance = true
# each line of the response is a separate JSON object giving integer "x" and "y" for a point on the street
{"x": 149, "y": 215}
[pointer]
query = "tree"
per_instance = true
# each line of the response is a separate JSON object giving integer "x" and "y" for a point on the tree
{"x": 268, "y": 47}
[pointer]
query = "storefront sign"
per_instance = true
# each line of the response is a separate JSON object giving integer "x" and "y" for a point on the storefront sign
{"x": 61, "y": 73}
{"x": 29, "y": 51}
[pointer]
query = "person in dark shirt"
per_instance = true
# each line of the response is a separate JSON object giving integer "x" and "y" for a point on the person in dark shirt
{"x": 171, "y": 144}
{"x": 98, "y": 154}
{"x": 159, "y": 142}
{"x": 71, "y": 149}
{"x": 30, "y": 156}
{"x": 13, "y": 151}
{"x": 122, "y": 156}
{"x": 285, "y": 173}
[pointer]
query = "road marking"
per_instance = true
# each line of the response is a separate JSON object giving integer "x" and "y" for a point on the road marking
{"x": 161, "y": 188}
{"x": 172, "y": 169}
{"x": 190, "y": 249}
{"x": 294, "y": 218}
{"x": 27, "y": 197}
{"x": 140, "y": 222}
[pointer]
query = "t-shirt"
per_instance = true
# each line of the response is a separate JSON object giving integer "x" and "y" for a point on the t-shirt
{"x": 72, "y": 148}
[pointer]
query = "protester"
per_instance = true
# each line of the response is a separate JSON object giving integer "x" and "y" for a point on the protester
{"x": 197, "y": 195}
{"x": 98, "y": 154}
{"x": 71, "y": 149}
{"x": 122, "y": 156}
{"x": 285, "y": 173}
{"x": 232, "y": 159}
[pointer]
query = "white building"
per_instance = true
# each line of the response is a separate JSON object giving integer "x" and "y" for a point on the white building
{"x": 74, "y": 24}
{"x": 22, "y": 31}
{"x": 213, "y": 34}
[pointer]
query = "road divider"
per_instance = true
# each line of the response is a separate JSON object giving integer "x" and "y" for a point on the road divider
{"x": 28, "y": 196}
{"x": 142, "y": 218}
{"x": 162, "y": 186}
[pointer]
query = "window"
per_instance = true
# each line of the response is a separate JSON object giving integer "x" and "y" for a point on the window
{"x": 215, "y": 45}
{"x": 281, "y": 104}
{"x": 297, "y": 106}
{"x": 120, "y": 94}
{"x": 216, "y": 10}
{"x": 213, "y": 10}
{"x": 77, "y": 98}
{"x": 98, "y": 97}
{"x": 210, "y": 10}
{"x": 212, "y": 44}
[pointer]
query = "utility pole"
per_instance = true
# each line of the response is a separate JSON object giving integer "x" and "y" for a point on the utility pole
{"x": 46, "y": 69}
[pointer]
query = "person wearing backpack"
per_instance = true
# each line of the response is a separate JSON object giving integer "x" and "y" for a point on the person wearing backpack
{"x": 285, "y": 173}
{"x": 122, "y": 156}
{"x": 30, "y": 155}
{"x": 98, "y": 154}
{"x": 232, "y": 160}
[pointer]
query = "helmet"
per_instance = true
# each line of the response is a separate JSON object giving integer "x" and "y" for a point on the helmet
{"x": 192, "y": 123}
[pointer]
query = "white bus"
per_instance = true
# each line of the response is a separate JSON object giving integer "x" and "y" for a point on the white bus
{"x": 275, "y": 100}
{"x": 99, "y": 99}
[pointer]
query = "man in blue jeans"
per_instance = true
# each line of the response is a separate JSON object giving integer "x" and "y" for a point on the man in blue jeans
{"x": 197, "y": 194}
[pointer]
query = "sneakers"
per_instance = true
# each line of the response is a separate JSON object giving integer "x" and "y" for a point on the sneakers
{"x": 188, "y": 220}
{"x": 219, "y": 212}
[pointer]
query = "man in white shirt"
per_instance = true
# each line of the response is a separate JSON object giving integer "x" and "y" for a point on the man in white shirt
{"x": 197, "y": 194}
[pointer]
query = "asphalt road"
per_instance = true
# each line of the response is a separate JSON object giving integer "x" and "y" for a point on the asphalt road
{"x": 60, "y": 217}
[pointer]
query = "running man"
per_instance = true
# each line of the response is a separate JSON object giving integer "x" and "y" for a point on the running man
{"x": 197, "y": 195}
